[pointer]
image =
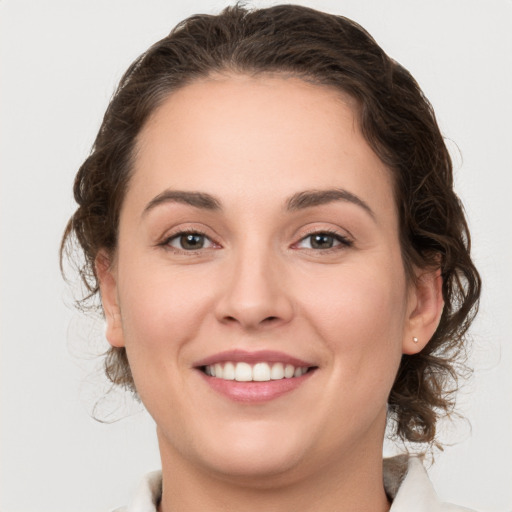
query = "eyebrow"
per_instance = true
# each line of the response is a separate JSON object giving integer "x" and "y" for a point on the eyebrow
{"x": 299, "y": 201}
{"x": 310, "y": 198}
{"x": 196, "y": 199}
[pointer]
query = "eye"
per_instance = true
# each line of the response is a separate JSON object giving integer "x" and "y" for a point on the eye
{"x": 323, "y": 241}
{"x": 189, "y": 241}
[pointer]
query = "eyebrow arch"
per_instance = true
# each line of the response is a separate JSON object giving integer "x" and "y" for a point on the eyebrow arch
{"x": 196, "y": 199}
{"x": 310, "y": 198}
{"x": 299, "y": 201}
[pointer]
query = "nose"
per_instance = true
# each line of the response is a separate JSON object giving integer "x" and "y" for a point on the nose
{"x": 255, "y": 295}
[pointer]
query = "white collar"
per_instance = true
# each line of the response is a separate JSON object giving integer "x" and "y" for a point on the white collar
{"x": 405, "y": 480}
{"x": 408, "y": 485}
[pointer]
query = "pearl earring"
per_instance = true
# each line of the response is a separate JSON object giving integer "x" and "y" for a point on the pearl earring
{"x": 415, "y": 339}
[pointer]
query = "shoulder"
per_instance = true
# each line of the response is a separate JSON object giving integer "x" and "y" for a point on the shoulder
{"x": 405, "y": 479}
{"x": 146, "y": 496}
{"x": 409, "y": 486}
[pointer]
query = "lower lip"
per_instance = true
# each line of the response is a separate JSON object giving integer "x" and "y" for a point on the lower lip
{"x": 255, "y": 391}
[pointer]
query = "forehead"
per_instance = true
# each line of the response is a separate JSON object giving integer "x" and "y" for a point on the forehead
{"x": 251, "y": 110}
{"x": 269, "y": 135}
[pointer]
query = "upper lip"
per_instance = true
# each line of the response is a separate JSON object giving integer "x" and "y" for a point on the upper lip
{"x": 260, "y": 356}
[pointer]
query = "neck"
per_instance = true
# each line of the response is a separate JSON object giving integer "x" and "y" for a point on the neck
{"x": 353, "y": 483}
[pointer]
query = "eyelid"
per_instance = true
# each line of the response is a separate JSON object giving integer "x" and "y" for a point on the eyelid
{"x": 178, "y": 236}
{"x": 182, "y": 230}
{"x": 345, "y": 241}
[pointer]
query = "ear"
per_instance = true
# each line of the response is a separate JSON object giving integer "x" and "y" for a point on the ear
{"x": 108, "y": 288}
{"x": 425, "y": 309}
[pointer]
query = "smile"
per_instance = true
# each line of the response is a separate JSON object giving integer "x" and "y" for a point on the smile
{"x": 254, "y": 376}
{"x": 259, "y": 372}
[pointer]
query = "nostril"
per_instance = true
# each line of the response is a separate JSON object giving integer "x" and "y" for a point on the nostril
{"x": 268, "y": 320}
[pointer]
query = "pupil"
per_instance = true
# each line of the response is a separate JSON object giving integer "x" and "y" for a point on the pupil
{"x": 322, "y": 241}
{"x": 192, "y": 241}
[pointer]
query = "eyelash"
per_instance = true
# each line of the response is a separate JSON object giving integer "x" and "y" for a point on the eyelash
{"x": 166, "y": 243}
{"x": 344, "y": 242}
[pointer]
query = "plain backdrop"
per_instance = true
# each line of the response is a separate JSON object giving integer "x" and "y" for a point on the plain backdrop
{"x": 60, "y": 61}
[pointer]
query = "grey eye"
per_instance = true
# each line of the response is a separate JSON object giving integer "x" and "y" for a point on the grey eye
{"x": 192, "y": 241}
{"x": 189, "y": 241}
{"x": 322, "y": 241}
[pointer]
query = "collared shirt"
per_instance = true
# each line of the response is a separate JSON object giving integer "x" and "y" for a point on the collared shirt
{"x": 405, "y": 480}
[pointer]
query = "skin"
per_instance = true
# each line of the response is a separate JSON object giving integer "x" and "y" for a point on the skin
{"x": 258, "y": 283}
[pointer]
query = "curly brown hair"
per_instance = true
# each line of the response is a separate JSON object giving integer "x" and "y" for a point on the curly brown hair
{"x": 396, "y": 120}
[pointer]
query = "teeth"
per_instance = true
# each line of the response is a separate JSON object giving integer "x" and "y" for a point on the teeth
{"x": 243, "y": 372}
{"x": 277, "y": 371}
{"x": 228, "y": 371}
{"x": 289, "y": 370}
{"x": 260, "y": 372}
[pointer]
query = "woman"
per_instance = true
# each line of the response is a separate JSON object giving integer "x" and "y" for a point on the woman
{"x": 268, "y": 216}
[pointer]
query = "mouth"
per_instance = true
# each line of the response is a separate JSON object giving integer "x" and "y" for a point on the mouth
{"x": 262, "y": 371}
{"x": 254, "y": 377}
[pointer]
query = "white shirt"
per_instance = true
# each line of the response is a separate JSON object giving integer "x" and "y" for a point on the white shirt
{"x": 405, "y": 480}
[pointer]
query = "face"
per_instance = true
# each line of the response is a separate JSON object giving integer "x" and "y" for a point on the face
{"x": 258, "y": 285}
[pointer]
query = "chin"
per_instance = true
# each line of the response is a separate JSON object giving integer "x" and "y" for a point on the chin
{"x": 259, "y": 452}
{"x": 259, "y": 469}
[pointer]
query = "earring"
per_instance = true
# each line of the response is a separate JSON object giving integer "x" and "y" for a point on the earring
{"x": 415, "y": 339}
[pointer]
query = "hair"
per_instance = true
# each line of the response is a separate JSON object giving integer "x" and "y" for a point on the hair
{"x": 396, "y": 120}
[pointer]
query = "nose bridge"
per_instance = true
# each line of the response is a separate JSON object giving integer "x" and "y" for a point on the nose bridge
{"x": 255, "y": 293}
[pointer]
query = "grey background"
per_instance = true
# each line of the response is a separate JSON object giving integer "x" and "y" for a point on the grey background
{"x": 60, "y": 61}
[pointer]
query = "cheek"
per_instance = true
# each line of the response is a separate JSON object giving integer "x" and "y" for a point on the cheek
{"x": 161, "y": 307}
{"x": 360, "y": 313}
{"x": 160, "y": 313}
